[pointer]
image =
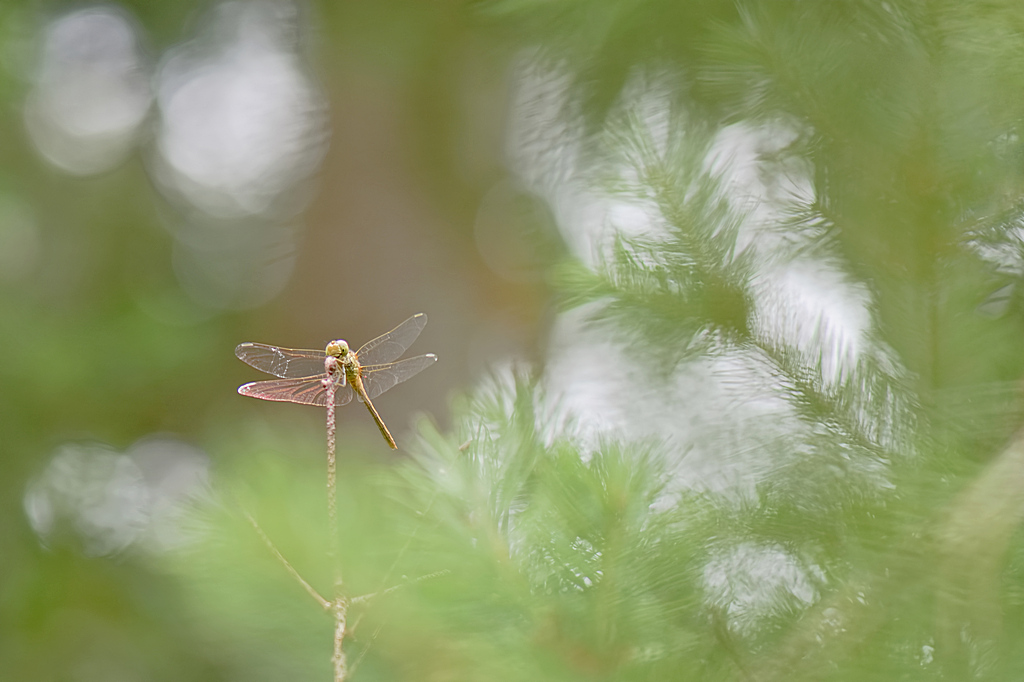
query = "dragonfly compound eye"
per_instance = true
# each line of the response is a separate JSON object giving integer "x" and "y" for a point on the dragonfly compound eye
{"x": 307, "y": 376}
{"x": 338, "y": 348}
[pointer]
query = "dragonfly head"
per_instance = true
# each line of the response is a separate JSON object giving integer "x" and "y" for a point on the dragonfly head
{"x": 338, "y": 348}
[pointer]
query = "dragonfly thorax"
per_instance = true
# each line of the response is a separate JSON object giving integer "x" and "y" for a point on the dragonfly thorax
{"x": 338, "y": 348}
{"x": 310, "y": 377}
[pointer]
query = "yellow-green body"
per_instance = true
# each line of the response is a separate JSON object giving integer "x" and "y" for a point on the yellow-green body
{"x": 351, "y": 373}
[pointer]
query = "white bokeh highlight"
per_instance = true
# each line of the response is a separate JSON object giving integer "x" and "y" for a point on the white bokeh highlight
{"x": 91, "y": 91}
{"x": 242, "y": 124}
{"x": 103, "y": 501}
{"x": 723, "y": 419}
{"x": 714, "y": 413}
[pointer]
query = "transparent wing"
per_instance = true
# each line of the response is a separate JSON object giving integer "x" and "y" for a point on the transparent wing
{"x": 390, "y": 346}
{"x": 305, "y": 390}
{"x": 379, "y": 378}
{"x": 282, "y": 362}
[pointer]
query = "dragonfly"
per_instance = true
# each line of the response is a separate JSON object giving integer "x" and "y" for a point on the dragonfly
{"x": 367, "y": 372}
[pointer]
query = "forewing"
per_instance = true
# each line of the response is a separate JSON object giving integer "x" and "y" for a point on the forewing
{"x": 379, "y": 378}
{"x": 286, "y": 363}
{"x": 305, "y": 391}
{"x": 390, "y": 346}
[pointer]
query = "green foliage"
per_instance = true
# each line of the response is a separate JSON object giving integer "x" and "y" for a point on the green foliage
{"x": 513, "y": 557}
{"x": 897, "y": 116}
{"x": 873, "y": 530}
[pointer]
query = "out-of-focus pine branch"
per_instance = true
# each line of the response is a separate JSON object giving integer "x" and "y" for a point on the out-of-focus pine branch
{"x": 880, "y": 536}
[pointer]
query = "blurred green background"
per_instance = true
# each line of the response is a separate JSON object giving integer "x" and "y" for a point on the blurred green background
{"x": 726, "y": 299}
{"x": 177, "y": 178}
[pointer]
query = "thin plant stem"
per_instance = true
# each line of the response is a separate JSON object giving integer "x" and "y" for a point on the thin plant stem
{"x": 363, "y": 598}
{"x": 339, "y": 604}
{"x": 325, "y": 604}
{"x": 366, "y": 649}
{"x": 408, "y": 542}
{"x": 332, "y": 486}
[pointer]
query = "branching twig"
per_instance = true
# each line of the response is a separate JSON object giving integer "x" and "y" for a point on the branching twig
{"x": 324, "y": 604}
{"x": 363, "y": 598}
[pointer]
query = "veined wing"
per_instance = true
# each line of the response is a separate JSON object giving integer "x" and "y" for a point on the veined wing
{"x": 282, "y": 362}
{"x": 390, "y": 346}
{"x": 379, "y": 378}
{"x": 303, "y": 390}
